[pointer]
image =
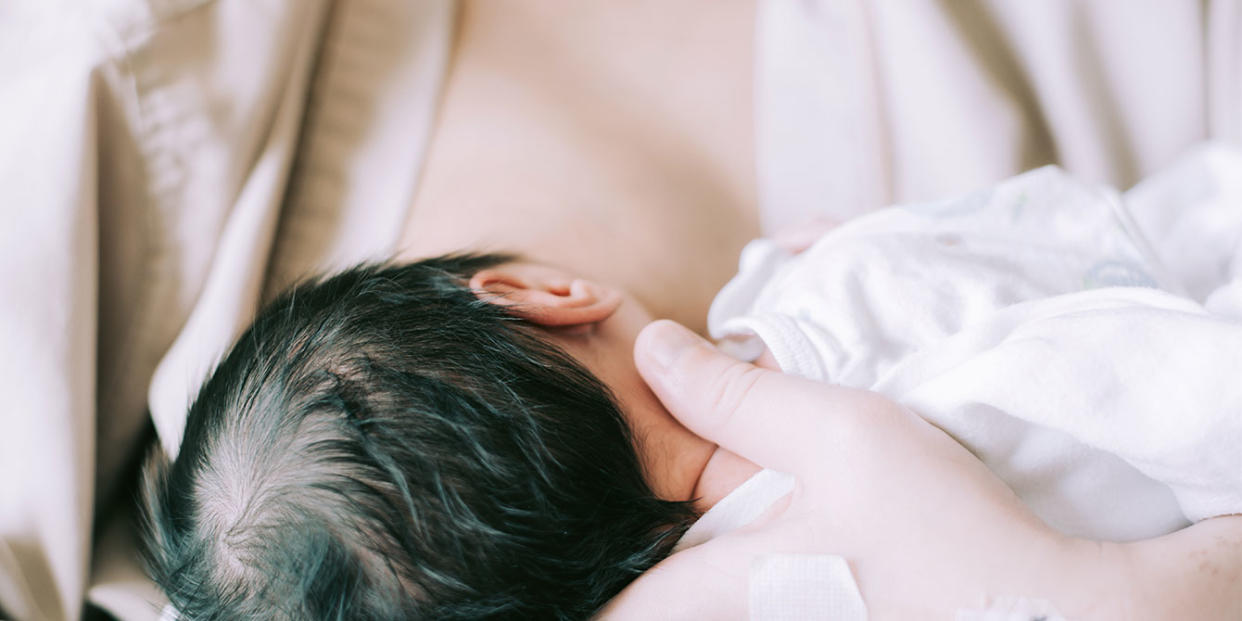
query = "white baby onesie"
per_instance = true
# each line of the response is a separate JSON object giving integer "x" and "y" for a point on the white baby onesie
{"x": 1033, "y": 322}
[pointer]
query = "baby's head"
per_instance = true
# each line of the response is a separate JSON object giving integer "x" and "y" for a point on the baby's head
{"x": 434, "y": 440}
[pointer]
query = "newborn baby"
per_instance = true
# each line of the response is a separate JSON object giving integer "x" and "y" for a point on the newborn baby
{"x": 467, "y": 436}
{"x": 464, "y": 437}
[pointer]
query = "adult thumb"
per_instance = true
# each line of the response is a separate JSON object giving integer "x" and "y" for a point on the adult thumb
{"x": 729, "y": 402}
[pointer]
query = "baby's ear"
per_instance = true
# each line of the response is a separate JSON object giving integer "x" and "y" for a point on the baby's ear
{"x": 545, "y": 295}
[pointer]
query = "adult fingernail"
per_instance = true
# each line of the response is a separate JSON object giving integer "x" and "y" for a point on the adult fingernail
{"x": 668, "y": 340}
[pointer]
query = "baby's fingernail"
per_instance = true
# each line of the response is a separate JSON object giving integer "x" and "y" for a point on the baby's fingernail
{"x": 669, "y": 340}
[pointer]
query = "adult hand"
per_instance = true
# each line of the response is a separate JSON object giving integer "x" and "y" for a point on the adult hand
{"x": 925, "y": 527}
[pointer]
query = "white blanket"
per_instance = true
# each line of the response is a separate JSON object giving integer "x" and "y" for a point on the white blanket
{"x": 1093, "y": 367}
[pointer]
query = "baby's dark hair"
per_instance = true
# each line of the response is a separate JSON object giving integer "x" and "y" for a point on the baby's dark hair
{"x": 381, "y": 444}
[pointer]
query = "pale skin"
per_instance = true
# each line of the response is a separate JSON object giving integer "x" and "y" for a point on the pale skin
{"x": 635, "y": 171}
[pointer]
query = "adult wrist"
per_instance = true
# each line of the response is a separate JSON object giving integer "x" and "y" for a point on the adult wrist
{"x": 1106, "y": 581}
{"x": 1193, "y": 573}
{"x": 1086, "y": 579}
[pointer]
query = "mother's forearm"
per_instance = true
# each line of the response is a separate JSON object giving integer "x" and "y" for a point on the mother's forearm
{"x": 1195, "y": 573}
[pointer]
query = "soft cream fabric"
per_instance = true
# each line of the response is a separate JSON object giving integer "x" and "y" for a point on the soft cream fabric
{"x": 129, "y": 131}
{"x": 146, "y": 150}
{"x": 865, "y": 104}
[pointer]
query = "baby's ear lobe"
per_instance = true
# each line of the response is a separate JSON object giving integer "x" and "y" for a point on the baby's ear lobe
{"x": 544, "y": 295}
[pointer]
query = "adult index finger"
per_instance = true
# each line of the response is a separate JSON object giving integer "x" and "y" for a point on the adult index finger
{"x": 777, "y": 421}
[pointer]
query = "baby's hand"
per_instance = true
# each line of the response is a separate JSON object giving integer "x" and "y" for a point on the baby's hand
{"x": 795, "y": 240}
